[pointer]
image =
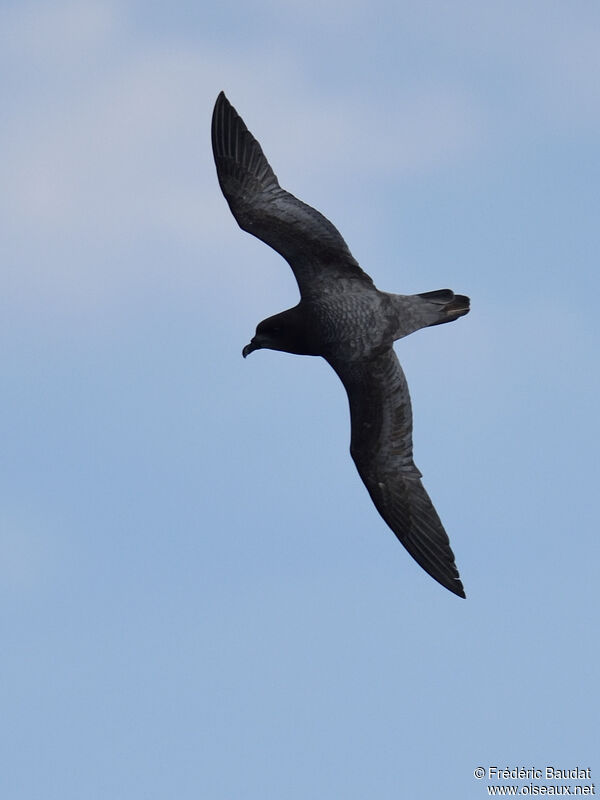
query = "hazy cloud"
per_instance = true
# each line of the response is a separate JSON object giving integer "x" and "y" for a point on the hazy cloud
{"x": 106, "y": 138}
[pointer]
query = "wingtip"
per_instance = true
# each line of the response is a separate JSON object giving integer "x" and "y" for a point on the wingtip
{"x": 460, "y": 592}
{"x": 220, "y": 103}
{"x": 453, "y": 585}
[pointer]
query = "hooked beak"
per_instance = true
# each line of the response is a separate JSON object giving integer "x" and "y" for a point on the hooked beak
{"x": 250, "y": 348}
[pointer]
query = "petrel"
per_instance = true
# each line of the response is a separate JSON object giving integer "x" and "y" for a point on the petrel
{"x": 345, "y": 319}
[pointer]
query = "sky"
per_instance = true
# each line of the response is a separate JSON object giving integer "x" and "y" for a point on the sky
{"x": 197, "y": 597}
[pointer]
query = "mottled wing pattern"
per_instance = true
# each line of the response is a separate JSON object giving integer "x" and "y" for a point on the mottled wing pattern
{"x": 381, "y": 446}
{"x": 311, "y": 245}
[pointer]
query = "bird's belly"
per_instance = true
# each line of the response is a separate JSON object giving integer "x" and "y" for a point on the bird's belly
{"x": 352, "y": 327}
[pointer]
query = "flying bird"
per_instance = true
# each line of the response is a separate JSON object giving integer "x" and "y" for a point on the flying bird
{"x": 345, "y": 319}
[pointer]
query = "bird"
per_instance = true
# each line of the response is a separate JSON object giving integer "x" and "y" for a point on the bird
{"x": 345, "y": 319}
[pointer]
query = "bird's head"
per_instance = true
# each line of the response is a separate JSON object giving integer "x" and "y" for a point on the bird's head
{"x": 284, "y": 331}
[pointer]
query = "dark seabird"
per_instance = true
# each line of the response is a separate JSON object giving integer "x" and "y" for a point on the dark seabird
{"x": 345, "y": 319}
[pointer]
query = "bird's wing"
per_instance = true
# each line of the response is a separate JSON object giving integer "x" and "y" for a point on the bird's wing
{"x": 381, "y": 446}
{"x": 312, "y": 246}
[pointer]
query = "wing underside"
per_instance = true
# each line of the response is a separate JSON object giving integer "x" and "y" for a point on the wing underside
{"x": 307, "y": 240}
{"x": 381, "y": 446}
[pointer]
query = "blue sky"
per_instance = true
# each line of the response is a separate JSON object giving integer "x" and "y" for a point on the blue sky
{"x": 197, "y": 597}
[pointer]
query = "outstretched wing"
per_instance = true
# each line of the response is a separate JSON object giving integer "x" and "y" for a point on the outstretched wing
{"x": 381, "y": 446}
{"x": 311, "y": 245}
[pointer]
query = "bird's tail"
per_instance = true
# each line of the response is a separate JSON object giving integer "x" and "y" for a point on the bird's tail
{"x": 445, "y": 306}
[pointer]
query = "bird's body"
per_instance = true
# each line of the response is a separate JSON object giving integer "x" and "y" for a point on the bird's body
{"x": 345, "y": 319}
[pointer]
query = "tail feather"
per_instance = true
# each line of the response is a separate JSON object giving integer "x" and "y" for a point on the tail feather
{"x": 450, "y": 306}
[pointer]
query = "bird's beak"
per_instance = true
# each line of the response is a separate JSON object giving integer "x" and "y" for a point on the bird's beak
{"x": 250, "y": 348}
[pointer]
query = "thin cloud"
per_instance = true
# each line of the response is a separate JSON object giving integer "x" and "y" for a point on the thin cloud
{"x": 107, "y": 136}
{"x": 57, "y": 33}
{"x": 123, "y": 153}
